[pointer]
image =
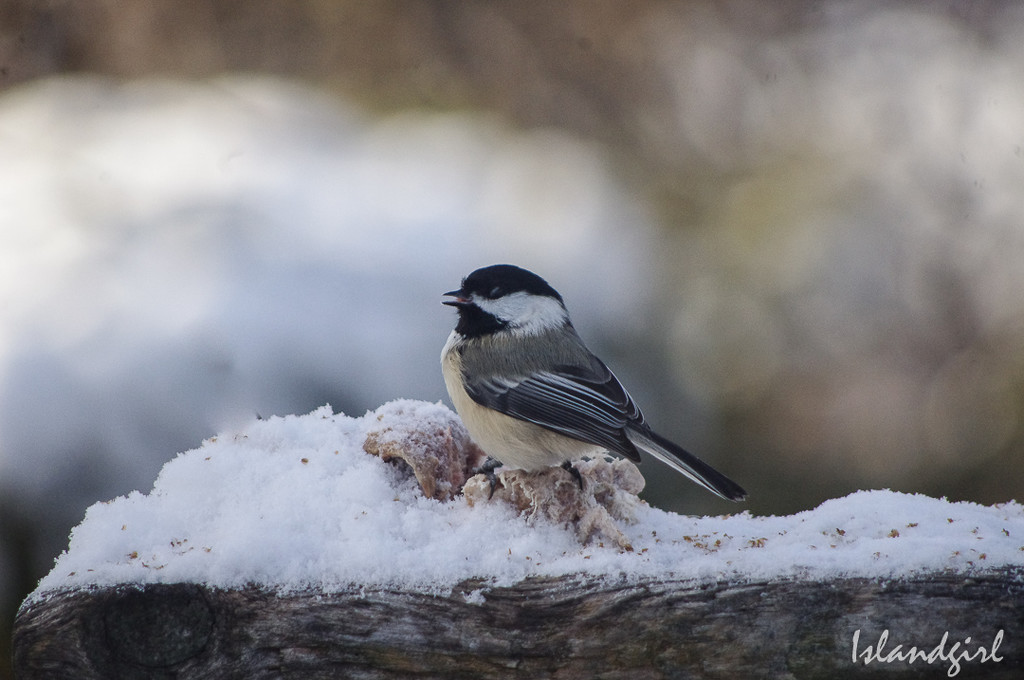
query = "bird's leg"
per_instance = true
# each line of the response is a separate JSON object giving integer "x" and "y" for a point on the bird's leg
{"x": 487, "y": 470}
{"x": 571, "y": 469}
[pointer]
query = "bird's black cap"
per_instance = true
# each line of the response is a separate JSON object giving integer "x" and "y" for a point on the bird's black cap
{"x": 502, "y": 279}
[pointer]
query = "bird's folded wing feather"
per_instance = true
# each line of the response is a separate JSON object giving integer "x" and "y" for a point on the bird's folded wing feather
{"x": 582, "y": 402}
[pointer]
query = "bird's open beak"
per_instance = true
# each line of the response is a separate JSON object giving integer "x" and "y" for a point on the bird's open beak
{"x": 459, "y": 300}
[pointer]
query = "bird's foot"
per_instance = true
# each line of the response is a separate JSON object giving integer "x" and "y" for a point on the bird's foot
{"x": 571, "y": 469}
{"x": 487, "y": 470}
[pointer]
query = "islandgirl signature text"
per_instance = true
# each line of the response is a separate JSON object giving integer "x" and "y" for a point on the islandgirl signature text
{"x": 954, "y": 654}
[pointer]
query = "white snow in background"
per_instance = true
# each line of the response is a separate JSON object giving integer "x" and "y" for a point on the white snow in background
{"x": 177, "y": 257}
{"x": 294, "y": 502}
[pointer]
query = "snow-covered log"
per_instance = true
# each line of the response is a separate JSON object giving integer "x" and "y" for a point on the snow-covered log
{"x": 329, "y": 546}
{"x": 565, "y": 627}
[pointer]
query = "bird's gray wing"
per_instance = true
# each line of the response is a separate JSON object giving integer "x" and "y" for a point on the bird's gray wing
{"x": 583, "y": 402}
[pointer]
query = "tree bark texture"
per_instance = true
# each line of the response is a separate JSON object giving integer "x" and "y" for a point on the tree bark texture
{"x": 574, "y": 627}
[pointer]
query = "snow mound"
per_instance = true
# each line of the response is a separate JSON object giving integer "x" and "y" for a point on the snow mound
{"x": 296, "y": 502}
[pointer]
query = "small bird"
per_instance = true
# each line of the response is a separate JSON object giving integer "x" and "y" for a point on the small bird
{"x": 530, "y": 392}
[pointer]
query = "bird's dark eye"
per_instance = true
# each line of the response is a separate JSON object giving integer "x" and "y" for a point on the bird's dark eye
{"x": 495, "y": 292}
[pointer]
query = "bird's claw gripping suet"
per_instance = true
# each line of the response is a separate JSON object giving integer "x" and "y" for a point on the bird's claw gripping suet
{"x": 487, "y": 470}
{"x": 571, "y": 469}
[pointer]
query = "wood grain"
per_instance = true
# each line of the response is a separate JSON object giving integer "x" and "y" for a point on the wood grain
{"x": 575, "y": 627}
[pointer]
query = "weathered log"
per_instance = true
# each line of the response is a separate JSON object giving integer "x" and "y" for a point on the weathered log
{"x": 577, "y": 627}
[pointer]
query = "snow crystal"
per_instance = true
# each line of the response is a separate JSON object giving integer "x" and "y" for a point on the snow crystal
{"x": 296, "y": 502}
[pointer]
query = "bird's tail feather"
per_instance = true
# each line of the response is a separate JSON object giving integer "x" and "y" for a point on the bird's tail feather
{"x": 686, "y": 463}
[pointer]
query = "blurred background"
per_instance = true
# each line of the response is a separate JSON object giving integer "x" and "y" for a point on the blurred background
{"x": 795, "y": 230}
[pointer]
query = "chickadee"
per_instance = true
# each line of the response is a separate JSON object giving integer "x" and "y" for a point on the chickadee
{"x": 530, "y": 392}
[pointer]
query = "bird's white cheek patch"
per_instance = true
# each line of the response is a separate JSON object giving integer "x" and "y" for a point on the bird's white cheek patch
{"x": 526, "y": 313}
